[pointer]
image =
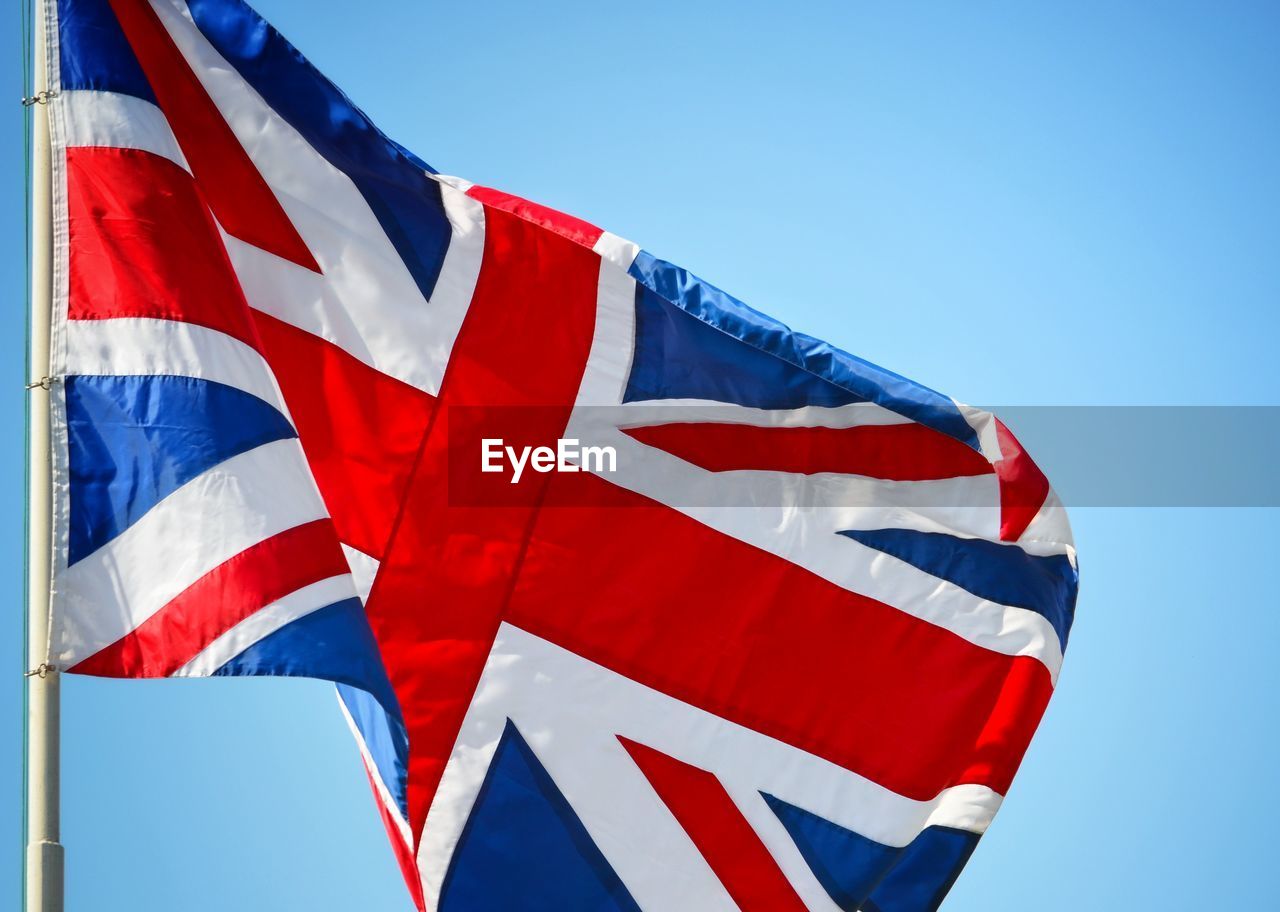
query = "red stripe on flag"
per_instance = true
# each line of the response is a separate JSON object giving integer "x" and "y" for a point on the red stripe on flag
{"x": 219, "y": 600}
{"x": 440, "y": 593}
{"x": 735, "y": 630}
{"x": 1023, "y": 487}
{"x": 572, "y": 227}
{"x": 144, "y": 245}
{"x": 897, "y": 452}
{"x": 720, "y": 832}
{"x": 245, "y": 206}
{"x": 360, "y": 429}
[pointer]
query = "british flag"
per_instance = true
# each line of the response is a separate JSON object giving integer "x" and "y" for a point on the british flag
{"x": 785, "y": 653}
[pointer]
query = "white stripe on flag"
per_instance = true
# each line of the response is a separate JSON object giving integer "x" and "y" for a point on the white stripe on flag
{"x": 115, "y": 121}
{"x": 364, "y": 567}
{"x": 451, "y": 297}
{"x": 854, "y": 414}
{"x": 143, "y": 346}
{"x": 616, "y": 250}
{"x": 207, "y": 521}
{"x": 1050, "y": 531}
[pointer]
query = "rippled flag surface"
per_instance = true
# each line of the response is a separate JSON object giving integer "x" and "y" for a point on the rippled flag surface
{"x": 786, "y": 653}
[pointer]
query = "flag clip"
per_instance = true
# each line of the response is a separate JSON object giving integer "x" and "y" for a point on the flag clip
{"x": 43, "y": 670}
{"x": 43, "y": 383}
{"x": 39, "y": 98}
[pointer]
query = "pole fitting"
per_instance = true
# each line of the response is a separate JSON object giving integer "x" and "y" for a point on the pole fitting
{"x": 41, "y": 97}
{"x": 43, "y": 670}
{"x": 44, "y": 383}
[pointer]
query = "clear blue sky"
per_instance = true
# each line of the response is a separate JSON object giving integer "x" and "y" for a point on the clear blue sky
{"x": 1019, "y": 203}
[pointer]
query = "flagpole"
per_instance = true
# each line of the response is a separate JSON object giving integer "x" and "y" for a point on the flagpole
{"x": 43, "y": 885}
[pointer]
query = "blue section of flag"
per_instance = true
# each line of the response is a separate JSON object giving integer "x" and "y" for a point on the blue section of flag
{"x": 680, "y": 357}
{"x": 695, "y": 341}
{"x": 860, "y": 873}
{"x": 523, "y": 847}
{"x": 133, "y": 440}
{"x": 333, "y": 643}
{"x": 385, "y": 738}
{"x": 997, "y": 572}
{"x": 393, "y": 181}
{"x": 924, "y": 873}
{"x": 847, "y": 864}
{"x": 94, "y": 53}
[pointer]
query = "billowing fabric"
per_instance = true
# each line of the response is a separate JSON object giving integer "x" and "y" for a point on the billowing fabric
{"x": 785, "y": 653}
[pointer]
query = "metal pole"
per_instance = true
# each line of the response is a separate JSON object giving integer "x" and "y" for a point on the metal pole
{"x": 44, "y": 853}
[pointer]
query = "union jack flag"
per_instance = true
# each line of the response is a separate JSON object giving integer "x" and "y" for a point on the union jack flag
{"x": 787, "y": 653}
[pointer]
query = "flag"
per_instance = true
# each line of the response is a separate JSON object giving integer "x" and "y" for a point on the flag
{"x": 634, "y": 597}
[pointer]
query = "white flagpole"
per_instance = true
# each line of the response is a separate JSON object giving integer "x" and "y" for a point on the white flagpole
{"x": 44, "y": 852}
